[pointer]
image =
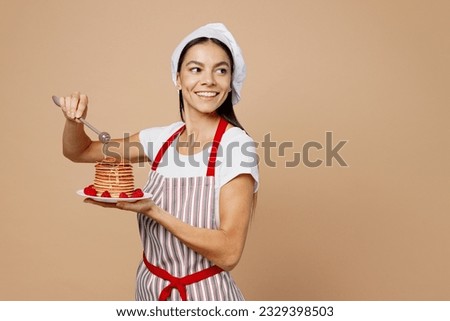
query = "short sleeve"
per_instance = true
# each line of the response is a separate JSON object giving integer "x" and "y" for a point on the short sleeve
{"x": 237, "y": 155}
{"x": 146, "y": 137}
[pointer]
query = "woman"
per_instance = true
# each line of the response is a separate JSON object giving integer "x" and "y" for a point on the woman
{"x": 203, "y": 179}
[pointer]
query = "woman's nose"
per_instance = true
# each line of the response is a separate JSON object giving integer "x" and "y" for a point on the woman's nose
{"x": 208, "y": 79}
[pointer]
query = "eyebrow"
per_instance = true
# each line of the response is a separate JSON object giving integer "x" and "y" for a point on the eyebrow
{"x": 202, "y": 64}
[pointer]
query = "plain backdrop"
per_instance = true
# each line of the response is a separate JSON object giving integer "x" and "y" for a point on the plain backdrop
{"x": 375, "y": 74}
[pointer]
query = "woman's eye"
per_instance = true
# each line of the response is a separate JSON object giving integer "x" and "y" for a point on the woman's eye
{"x": 195, "y": 69}
{"x": 222, "y": 71}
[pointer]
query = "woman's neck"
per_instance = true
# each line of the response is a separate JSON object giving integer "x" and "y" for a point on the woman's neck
{"x": 200, "y": 130}
{"x": 200, "y": 127}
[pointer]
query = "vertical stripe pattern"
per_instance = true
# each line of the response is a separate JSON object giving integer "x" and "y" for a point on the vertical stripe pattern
{"x": 190, "y": 199}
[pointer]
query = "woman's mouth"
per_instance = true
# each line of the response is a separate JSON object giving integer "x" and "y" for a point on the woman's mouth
{"x": 207, "y": 94}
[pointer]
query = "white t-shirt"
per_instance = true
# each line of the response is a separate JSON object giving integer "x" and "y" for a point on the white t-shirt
{"x": 236, "y": 155}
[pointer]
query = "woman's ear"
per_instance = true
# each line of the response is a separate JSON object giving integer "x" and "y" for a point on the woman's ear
{"x": 178, "y": 81}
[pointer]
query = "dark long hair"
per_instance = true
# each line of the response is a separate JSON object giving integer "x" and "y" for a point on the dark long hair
{"x": 225, "y": 110}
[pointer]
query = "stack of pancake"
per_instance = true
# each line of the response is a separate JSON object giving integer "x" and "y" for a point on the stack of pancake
{"x": 113, "y": 177}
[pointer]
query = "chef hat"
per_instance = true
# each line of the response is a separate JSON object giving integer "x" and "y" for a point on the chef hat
{"x": 219, "y": 32}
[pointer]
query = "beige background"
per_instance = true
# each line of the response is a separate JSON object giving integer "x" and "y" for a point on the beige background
{"x": 375, "y": 73}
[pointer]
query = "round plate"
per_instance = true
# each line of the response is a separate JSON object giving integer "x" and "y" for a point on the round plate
{"x": 113, "y": 199}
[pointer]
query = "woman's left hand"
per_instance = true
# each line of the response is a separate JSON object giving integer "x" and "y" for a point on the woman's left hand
{"x": 145, "y": 206}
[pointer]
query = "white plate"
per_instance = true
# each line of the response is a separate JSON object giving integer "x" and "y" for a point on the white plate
{"x": 113, "y": 199}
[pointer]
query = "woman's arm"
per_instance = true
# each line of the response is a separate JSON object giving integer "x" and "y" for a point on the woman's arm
{"x": 223, "y": 246}
{"x": 78, "y": 147}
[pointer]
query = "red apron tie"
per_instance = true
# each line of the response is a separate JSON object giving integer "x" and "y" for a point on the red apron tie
{"x": 179, "y": 283}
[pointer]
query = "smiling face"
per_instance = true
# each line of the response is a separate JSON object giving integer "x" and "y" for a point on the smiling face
{"x": 204, "y": 78}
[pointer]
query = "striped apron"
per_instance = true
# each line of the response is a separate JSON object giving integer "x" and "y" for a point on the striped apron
{"x": 170, "y": 270}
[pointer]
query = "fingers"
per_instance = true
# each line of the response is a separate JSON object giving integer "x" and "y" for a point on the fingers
{"x": 83, "y": 102}
{"x": 128, "y": 206}
{"x": 142, "y": 206}
{"x": 73, "y": 100}
{"x": 74, "y": 106}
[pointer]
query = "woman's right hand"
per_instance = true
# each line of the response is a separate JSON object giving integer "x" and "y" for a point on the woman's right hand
{"x": 74, "y": 106}
{"x": 78, "y": 147}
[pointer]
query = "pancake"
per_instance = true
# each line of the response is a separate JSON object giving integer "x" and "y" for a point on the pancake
{"x": 113, "y": 177}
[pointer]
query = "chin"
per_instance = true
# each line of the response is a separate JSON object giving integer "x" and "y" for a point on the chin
{"x": 206, "y": 108}
{"x": 207, "y": 111}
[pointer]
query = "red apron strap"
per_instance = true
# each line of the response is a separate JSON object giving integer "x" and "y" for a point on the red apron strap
{"x": 221, "y": 128}
{"x": 179, "y": 283}
{"x": 165, "y": 146}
